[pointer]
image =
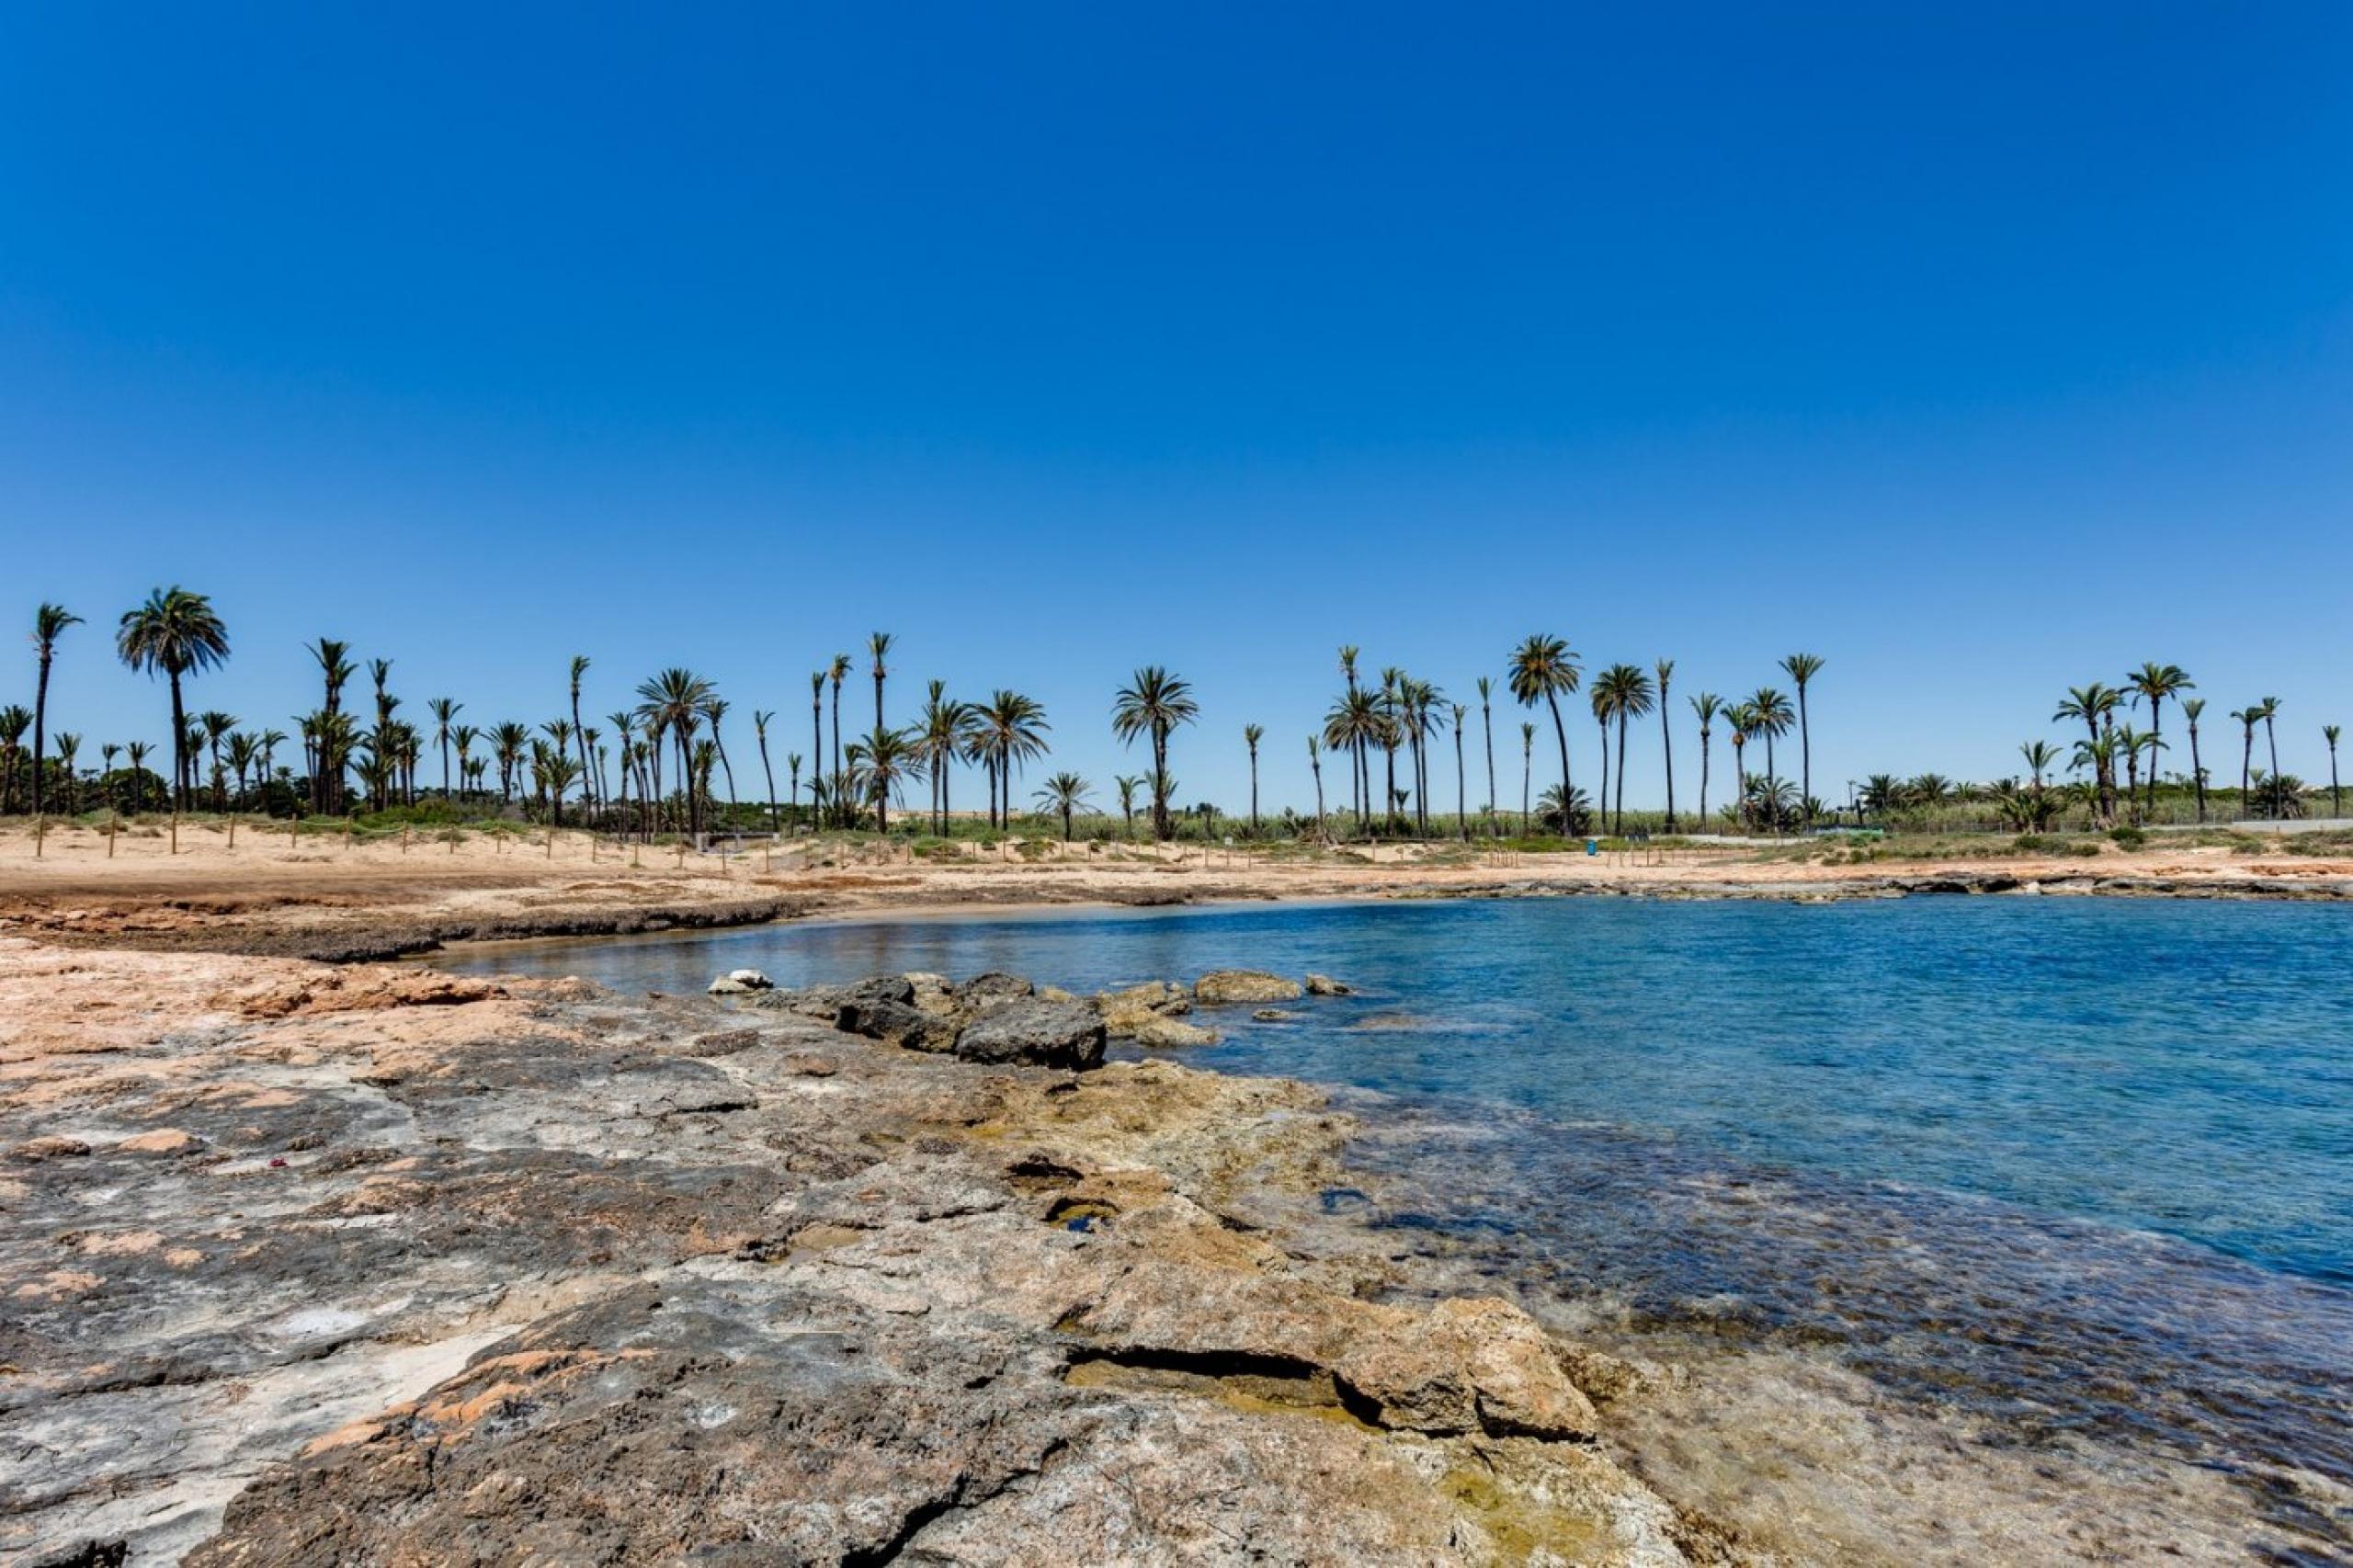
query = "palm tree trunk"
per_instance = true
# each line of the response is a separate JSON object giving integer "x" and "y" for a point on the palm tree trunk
{"x": 2271, "y": 737}
{"x": 1621, "y": 772}
{"x": 1704, "y": 749}
{"x": 1601, "y": 805}
{"x": 1667, "y": 739}
{"x": 1805, "y": 757}
{"x": 1487, "y": 726}
{"x": 1461, "y": 789}
{"x": 40, "y": 728}
{"x": 179, "y": 747}
{"x": 1560, "y": 733}
{"x": 775, "y": 822}
{"x": 2157, "y": 726}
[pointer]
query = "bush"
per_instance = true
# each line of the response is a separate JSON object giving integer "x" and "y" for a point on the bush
{"x": 2128, "y": 836}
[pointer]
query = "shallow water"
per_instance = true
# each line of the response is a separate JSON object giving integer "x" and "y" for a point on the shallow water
{"x": 2080, "y": 1167}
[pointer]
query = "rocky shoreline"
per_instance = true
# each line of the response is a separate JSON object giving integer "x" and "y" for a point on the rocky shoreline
{"x": 311, "y": 1264}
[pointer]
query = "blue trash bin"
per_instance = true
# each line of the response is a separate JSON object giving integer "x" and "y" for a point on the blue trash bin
{"x": 1593, "y": 847}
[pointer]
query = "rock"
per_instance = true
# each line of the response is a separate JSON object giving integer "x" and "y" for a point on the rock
{"x": 1125, "y": 1011}
{"x": 1325, "y": 985}
{"x": 1046, "y": 1034}
{"x": 897, "y": 1023}
{"x": 1272, "y": 1016}
{"x": 1220, "y": 987}
{"x": 933, "y": 993}
{"x": 34, "y": 1150}
{"x": 1475, "y": 1365}
{"x": 1159, "y": 1034}
{"x": 1056, "y": 994}
{"x": 988, "y": 990}
{"x": 895, "y": 988}
{"x": 726, "y": 985}
{"x": 162, "y": 1141}
{"x": 751, "y": 980}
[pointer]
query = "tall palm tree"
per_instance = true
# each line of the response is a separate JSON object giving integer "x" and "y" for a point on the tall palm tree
{"x": 1739, "y": 718}
{"x": 816, "y": 733}
{"x": 792, "y": 766}
{"x": 1527, "y": 761}
{"x": 1153, "y": 703}
{"x": 444, "y": 709}
{"x": 461, "y": 736}
{"x": 1393, "y": 735}
{"x": 2190, "y": 709}
{"x": 2093, "y": 706}
{"x": 2041, "y": 757}
{"x": 1707, "y": 704}
{"x": 2153, "y": 683}
{"x": 1250, "y": 735}
{"x": 2271, "y": 738}
{"x": 15, "y": 722}
{"x": 880, "y": 764}
{"x": 1770, "y": 716}
{"x": 1356, "y": 801}
{"x": 672, "y": 701}
{"x": 1666, "y": 668}
{"x": 1546, "y": 666}
{"x": 1355, "y": 725}
{"x": 877, "y": 645}
{"x": 1007, "y": 731}
{"x": 1461, "y": 789}
{"x": 178, "y": 634}
{"x": 1802, "y": 668}
{"x": 335, "y": 668}
{"x": 588, "y": 768}
{"x": 2328, "y": 732}
{"x": 1063, "y": 794}
{"x": 760, "y": 732}
{"x": 714, "y": 708}
{"x": 1127, "y": 785}
{"x": 1425, "y": 703}
{"x": 50, "y": 622}
{"x": 941, "y": 734}
{"x": 1598, "y": 698}
{"x": 839, "y": 672}
{"x": 214, "y": 725}
{"x": 1316, "y": 766}
{"x": 2248, "y": 716}
{"x": 1630, "y": 693}
{"x": 1487, "y": 725}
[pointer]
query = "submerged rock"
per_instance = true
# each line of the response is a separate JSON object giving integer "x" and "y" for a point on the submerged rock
{"x": 1220, "y": 987}
{"x": 1044, "y": 1034}
{"x": 1325, "y": 985}
{"x": 1126, "y": 1011}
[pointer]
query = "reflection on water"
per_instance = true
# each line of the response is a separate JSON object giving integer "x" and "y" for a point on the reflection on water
{"x": 2086, "y": 1165}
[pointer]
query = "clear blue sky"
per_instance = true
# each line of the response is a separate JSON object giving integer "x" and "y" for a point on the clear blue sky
{"x": 1982, "y": 349}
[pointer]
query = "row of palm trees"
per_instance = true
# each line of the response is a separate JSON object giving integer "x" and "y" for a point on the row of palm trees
{"x": 668, "y": 748}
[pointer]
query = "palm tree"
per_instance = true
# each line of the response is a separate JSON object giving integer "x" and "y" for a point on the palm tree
{"x": 177, "y": 632}
{"x": 1741, "y": 719}
{"x": 213, "y": 725}
{"x": 944, "y": 731}
{"x": 50, "y": 622}
{"x": 443, "y": 710}
{"x": 2248, "y": 716}
{"x": 335, "y": 668}
{"x": 508, "y": 741}
{"x": 839, "y": 672}
{"x": 68, "y": 743}
{"x": 1666, "y": 668}
{"x": 14, "y": 723}
{"x": 588, "y": 771}
{"x": 816, "y": 733}
{"x": 2041, "y": 757}
{"x": 138, "y": 776}
{"x": 1769, "y": 715}
{"x": 1354, "y": 725}
{"x": 2098, "y": 754}
{"x": 792, "y": 766}
{"x": 1526, "y": 760}
{"x": 1006, "y": 731}
{"x": 760, "y": 732}
{"x": 1546, "y": 666}
{"x": 1461, "y": 790}
{"x": 2093, "y": 705}
{"x": 880, "y": 765}
{"x": 2153, "y": 683}
{"x": 1154, "y": 702}
{"x": 1316, "y": 766}
{"x": 556, "y": 772}
{"x": 1629, "y": 695}
{"x": 714, "y": 708}
{"x": 1487, "y": 725}
{"x": 2190, "y": 709}
{"x": 2271, "y": 738}
{"x": 1250, "y": 735}
{"x": 1802, "y": 668}
{"x": 1128, "y": 787}
{"x": 1707, "y": 704}
{"x": 675, "y": 700}
{"x": 1063, "y": 793}
{"x": 461, "y": 735}
{"x": 1356, "y": 802}
{"x": 1598, "y": 698}
{"x": 877, "y": 645}
{"x": 2328, "y": 732}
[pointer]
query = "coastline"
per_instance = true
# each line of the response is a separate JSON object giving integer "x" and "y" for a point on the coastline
{"x": 741, "y": 1163}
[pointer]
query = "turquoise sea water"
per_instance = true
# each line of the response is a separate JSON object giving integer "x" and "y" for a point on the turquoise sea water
{"x": 2086, "y": 1163}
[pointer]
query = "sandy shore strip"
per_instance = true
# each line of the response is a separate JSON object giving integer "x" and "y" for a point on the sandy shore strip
{"x": 320, "y": 896}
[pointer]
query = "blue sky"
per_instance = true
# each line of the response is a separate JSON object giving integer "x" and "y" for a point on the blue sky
{"x": 1982, "y": 349}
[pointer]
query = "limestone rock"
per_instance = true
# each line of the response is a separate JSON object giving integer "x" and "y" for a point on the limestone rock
{"x": 1474, "y": 1365}
{"x": 1325, "y": 985}
{"x": 897, "y": 1023}
{"x": 1159, "y": 1033}
{"x": 988, "y": 990}
{"x": 1045, "y": 1034}
{"x": 1125, "y": 1011}
{"x": 1220, "y": 987}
